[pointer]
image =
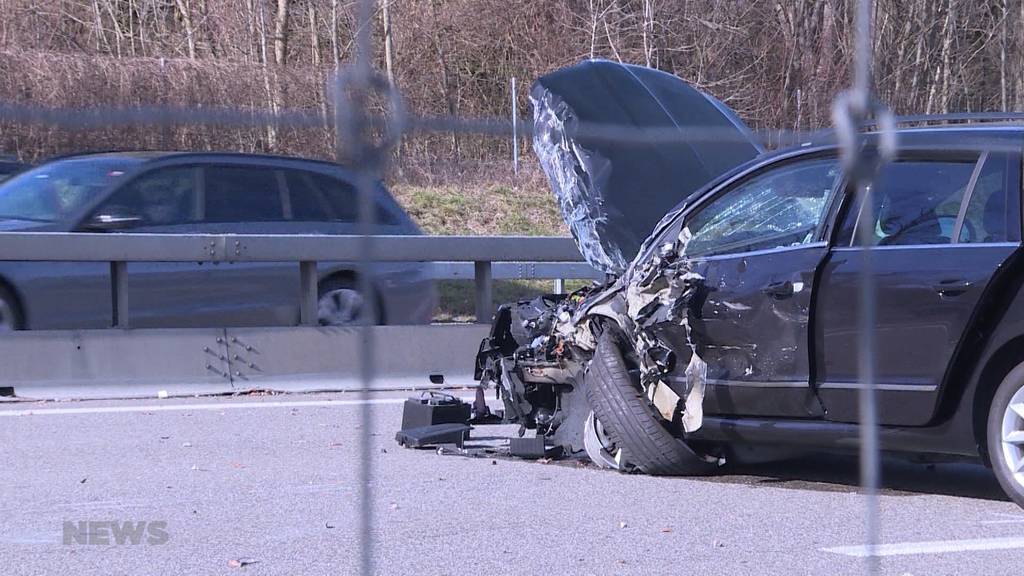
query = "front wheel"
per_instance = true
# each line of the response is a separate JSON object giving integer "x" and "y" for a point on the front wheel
{"x": 1005, "y": 434}
{"x": 630, "y": 433}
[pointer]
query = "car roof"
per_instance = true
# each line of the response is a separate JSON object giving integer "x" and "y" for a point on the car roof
{"x": 159, "y": 155}
{"x": 945, "y": 135}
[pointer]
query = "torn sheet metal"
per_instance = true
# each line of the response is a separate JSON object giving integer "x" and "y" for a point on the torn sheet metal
{"x": 613, "y": 185}
{"x": 666, "y": 290}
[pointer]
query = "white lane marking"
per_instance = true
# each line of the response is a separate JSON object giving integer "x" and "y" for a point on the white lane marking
{"x": 933, "y": 547}
{"x": 208, "y": 406}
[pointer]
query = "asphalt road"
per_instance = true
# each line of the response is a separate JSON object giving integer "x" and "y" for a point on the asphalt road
{"x": 269, "y": 485}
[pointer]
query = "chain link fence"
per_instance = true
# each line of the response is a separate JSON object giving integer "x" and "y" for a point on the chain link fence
{"x": 369, "y": 118}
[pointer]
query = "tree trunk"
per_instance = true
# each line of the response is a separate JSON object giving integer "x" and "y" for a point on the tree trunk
{"x": 389, "y": 62}
{"x": 314, "y": 38}
{"x": 334, "y": 34}
{"x": 281, "y": 33}
{"x": 1004, "y": 12}
{"x": 186, "y": 21}
{"x": 440, "y": 32}
{"x": 204, "y": 11}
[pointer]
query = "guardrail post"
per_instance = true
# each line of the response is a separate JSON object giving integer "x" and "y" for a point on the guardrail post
{"x": 118, "y": 294}
{"x": 307, "y": 293}
{"x": 484, "y": 301}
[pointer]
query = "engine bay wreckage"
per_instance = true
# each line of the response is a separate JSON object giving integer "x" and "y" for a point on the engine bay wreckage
{"x": 616, "y": 371}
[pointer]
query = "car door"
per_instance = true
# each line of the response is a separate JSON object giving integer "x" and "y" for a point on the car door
{"x": 248, "y": 198}
{"x": 943, "y": 226}
{"x": 758, "y": 246}
{"x": 205, "y": 199}
{"x": 162, "y": 200}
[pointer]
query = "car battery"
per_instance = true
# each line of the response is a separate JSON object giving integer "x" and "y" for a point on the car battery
{"x": 434, "y": 408}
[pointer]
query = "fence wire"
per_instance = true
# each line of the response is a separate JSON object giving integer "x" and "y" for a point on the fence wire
{"x": 367, "y": 138}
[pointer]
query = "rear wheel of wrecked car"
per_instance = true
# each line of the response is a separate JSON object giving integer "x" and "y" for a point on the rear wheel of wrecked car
{"x": 1006, "y": 434}
{"x": 629, "y": 422}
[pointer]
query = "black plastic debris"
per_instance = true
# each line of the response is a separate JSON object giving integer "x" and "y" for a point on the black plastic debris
{"x": 531, "y": 448}
{"x": 435, "y": 435}
{"x": 434, "y": 408}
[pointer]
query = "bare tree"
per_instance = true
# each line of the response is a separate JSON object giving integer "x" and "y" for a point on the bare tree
{"x": 281, "y": 33}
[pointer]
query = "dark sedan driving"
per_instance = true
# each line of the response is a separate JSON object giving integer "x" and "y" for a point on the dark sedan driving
{"x": 197, "y": 193}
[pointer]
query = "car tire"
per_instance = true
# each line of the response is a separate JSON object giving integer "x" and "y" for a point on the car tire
{"x": 11, "y": 317}
{"x": 1005, "y": 434}
{"x": 339, "y": 291}
{"x": 630, "y": 421}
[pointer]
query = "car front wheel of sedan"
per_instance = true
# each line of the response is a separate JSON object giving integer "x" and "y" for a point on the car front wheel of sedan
{"x": 1005, "y": 433}
{"x": 639, "y": 439}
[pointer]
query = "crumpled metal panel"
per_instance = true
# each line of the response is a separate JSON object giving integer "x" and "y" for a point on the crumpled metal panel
{"x": 613, "y": 182}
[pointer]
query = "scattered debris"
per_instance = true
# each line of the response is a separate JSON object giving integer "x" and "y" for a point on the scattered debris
{"x": 240, "y": 563}
{"x": 186, "y": 444}
{"x": 532, "y": 448}
{"x": 430, "y": 436}
{"x": 434, "y": 408}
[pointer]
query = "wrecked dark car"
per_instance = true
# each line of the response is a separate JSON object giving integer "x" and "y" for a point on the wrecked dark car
{"x": 728, "y": 321}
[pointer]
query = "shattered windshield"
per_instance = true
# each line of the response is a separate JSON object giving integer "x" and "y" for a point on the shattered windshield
{"x": 782, "y": 207}
{"x": 57, "y": 189}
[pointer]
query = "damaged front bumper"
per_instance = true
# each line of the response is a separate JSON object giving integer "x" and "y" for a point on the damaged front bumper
{"x": 538, "y": 352}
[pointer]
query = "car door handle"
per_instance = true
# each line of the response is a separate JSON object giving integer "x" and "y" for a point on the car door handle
{"x": 779, "y": 289}
{"x": 952, "y": 287}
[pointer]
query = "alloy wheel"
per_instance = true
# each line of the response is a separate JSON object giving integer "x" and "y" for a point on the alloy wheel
{"x": 339, "y": 307}
{"x": 1013, "y": 436}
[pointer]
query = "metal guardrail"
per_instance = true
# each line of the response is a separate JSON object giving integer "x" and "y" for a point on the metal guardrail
{"x": 549, "y": 253}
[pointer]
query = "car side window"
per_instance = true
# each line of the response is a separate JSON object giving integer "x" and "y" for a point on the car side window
{"x": 162, "y": 197}
{"x": 778, "y": 208}
{"x": 343, "y": 197}
{"x": 987, "y": 214}
{"x": 915, "y": 202}
{"x": 308, "y": 202}
{"x": 242, "y": 194}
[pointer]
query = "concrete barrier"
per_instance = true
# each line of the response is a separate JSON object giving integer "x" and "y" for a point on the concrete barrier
{"x": 90, "y": 364}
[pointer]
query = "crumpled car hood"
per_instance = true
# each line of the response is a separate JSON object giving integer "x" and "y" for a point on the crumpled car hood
{"x": 622, "y": 145}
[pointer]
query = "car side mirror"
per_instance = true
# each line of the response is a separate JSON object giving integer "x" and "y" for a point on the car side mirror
{"x": 109, "y": 221}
